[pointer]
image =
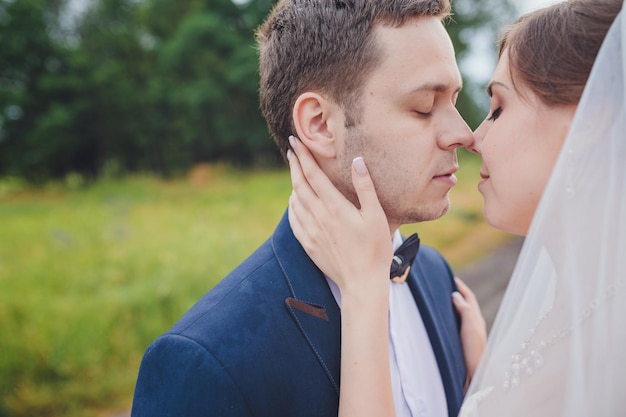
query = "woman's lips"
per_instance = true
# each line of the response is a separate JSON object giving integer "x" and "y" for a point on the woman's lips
{"x": 484, "y": 177}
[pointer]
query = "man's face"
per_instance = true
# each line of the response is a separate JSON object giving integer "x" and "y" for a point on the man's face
{"x": 409, "y": 127}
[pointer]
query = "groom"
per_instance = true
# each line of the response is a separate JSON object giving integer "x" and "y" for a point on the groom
{"x": 375, "y": 78}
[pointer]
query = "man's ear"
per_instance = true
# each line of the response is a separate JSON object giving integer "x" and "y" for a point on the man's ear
{"x": 317, "y": 120}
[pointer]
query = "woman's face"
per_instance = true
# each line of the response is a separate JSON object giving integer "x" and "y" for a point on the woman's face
{"x": 519, "y": 143}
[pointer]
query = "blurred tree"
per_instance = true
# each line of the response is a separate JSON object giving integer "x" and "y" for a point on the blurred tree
{"x": 474, "y": 23}
{"x": 116, "y": 70}
{"x": 37, "y": 135}
{"x": 154, "y": 85}
{"x": 205, "y": 82}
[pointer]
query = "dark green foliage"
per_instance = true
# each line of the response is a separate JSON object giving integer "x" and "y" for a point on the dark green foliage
{"x": 151, "y": 85}
{"x": 476, "y": 21}
{"x": 37, "y": 121}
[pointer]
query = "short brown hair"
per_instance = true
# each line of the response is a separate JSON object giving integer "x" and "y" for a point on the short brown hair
{"x": 552, "y": 50}
{"x": 324, "y": 46}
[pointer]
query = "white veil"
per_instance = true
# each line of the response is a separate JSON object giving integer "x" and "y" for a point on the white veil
{"x": 558, "y": 344}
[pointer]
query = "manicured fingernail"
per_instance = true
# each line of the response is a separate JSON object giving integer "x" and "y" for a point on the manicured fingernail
{"x": 292, "y": 141}
{"x": 289, "y": 154}
{"x": 359, "y": 165}
{"x": 458, "y": 296}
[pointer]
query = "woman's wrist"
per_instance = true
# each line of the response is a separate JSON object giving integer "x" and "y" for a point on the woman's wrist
{"x": 371, "y": 302}
{"x": 366, "y": 289}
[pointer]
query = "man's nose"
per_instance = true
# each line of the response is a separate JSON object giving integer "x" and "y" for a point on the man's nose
{"x": 457, "y": 133}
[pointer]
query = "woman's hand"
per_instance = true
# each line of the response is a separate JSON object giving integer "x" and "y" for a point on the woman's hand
{"x": 473, "y": 326}
{"x": 351, "y": 246}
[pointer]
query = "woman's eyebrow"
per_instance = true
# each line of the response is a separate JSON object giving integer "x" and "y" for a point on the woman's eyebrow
{"x": 494, "y": 83}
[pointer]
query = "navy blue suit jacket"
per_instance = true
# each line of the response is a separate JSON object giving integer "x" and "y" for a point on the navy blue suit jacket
{"x": 265, "y": 341}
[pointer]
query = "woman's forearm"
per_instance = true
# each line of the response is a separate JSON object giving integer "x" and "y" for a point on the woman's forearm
{"x": 365, "y": 373}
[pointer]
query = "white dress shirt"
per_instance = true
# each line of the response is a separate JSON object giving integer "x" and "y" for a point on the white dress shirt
{"x": 415, "y": 379}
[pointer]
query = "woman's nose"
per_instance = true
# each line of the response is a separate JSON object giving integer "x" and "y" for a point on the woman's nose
{"x": 479, "y": 134}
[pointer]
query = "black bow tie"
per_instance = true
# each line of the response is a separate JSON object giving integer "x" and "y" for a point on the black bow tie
{"x": 403, "y": 258}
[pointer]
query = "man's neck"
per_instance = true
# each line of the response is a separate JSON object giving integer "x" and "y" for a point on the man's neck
{"x": 393, "y": 228}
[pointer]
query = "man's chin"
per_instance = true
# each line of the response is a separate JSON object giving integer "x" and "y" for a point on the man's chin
{"x": 434, "y": 216}
{"x": 435, "y": 211}
{"x": 425, "y": 214}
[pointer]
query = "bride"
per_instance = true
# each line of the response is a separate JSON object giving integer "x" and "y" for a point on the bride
{"x": 554, "y": 170}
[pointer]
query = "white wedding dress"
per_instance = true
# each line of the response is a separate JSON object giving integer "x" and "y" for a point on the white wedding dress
{"x": 558, "y": 344}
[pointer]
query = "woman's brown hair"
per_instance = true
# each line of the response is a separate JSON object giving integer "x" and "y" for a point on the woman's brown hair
{"x": 552, "y": 50}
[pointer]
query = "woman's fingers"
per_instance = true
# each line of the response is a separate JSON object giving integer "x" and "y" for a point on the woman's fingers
{"x": 299, "y": 181}
{"x": 365, "y": 190}
{"x": 465, "y": 291}
{"x": 295, "y": 213}
{"x": 315, "y": 177}
{"x": 304, "y": 204}
{"x": 322, "y": 190}
{"x": 466, "y": 302}
{"x": 473, "y": 328}
{"x": 459, "y": 302}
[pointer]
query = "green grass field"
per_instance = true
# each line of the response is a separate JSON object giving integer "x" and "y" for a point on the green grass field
{"x": 89, "y": 275}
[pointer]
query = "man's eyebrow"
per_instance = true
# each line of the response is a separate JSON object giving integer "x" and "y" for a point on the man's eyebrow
{"x": 436, "y": 87}
{"x": 491, "y": 84}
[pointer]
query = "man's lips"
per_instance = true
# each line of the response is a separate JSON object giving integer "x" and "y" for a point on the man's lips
{"x": 447, "y": 176}
{"x": 447, "y": 173}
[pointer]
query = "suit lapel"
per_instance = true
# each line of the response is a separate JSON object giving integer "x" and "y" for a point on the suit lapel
{"x": 438, "y": 328}
{"x": 313, "y": 308}
{"x": 311, "y": 304}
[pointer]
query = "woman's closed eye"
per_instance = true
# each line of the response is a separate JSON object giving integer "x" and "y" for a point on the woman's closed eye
{"x": 496, "y": 113}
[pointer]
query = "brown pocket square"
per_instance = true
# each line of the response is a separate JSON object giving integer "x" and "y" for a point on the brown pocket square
{"x": 315, "y": 311}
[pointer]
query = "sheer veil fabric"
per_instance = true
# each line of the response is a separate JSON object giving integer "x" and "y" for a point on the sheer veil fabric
{"x": 558, "y": 344}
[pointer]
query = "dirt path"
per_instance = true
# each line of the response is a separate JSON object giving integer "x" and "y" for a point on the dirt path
{"x": 489, "y": 277}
